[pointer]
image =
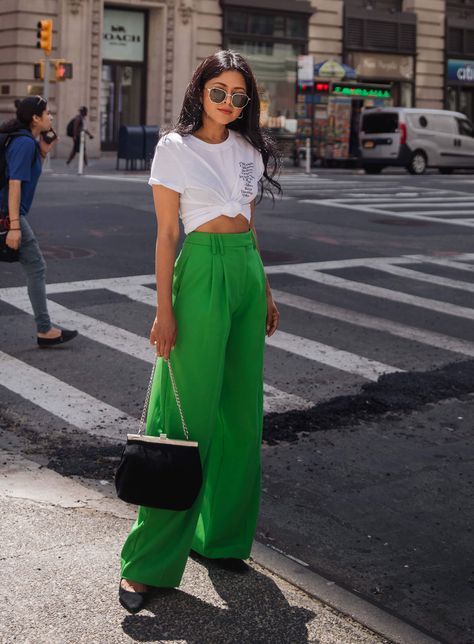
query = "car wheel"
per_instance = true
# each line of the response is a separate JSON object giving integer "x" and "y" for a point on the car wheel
{"x": 418, "y": 163}
{"x": 373, "y": 169}
{"x": 446, "y": 170}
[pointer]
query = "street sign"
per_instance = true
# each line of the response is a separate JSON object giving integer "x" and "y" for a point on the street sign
{"x": 63, "y": 70}
{"x": 39, "y": 70}
{"x": 33, "y": 90}
{"x": 305, "y": 68}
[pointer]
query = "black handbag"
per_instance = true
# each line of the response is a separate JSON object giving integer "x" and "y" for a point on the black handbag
{"x": 156, "y": 471}
{"x": 7, "y": 254}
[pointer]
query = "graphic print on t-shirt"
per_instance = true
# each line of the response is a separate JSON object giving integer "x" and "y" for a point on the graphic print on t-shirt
{"x": 247, "y": 176}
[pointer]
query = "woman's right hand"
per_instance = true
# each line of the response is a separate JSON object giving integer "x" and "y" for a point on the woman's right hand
{"x": 13, "y": 239}
{"x": 163, "y": 333}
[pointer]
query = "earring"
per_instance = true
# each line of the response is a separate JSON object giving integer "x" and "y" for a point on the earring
{"x": 240, "y": 117}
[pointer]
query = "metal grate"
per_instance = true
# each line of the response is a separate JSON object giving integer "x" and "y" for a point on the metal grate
{"x": 380, "y": 35}
{"x": 460, "y": 37}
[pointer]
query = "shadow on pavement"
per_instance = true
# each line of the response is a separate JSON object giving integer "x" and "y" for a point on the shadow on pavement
{"x": 256, "y": 611}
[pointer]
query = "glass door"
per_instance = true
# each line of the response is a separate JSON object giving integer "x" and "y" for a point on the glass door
{"x": 122, "y": 100}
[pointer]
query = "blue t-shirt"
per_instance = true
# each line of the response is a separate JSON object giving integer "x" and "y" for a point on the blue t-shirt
{"x": 23, "y": 161}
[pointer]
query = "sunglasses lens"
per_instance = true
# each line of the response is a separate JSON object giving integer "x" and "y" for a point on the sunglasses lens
{"x": 217, "y": 95}
{"x": 239, "y": 100}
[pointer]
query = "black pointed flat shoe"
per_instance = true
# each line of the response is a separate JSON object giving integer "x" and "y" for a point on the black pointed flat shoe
{"x": 65, "y": 336}
{"x": 132, "y": 601}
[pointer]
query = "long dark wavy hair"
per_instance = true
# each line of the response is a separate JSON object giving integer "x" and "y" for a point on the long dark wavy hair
{"x": 190, "y": 118}
{"x": 27, "y": 108}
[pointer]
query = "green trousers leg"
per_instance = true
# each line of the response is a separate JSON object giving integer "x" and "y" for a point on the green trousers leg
{"x": 220, "y": 308}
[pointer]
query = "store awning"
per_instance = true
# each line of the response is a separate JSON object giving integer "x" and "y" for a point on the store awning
{"x": 333, "y": 70}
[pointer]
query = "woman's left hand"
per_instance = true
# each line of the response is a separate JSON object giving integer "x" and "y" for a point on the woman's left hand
{"x": 273, "y": 315}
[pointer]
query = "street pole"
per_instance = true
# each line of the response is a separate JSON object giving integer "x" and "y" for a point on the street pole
{"x": 82, "y": 143}
{"x": 308, "y": 156}
{"x": 47, "y": 162}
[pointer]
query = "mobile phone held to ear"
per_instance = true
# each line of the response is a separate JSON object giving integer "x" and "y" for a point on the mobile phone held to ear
{"x": 49, "y": 136}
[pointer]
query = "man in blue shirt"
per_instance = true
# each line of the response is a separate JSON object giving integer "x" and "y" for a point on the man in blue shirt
{"x": 24, "y": 156}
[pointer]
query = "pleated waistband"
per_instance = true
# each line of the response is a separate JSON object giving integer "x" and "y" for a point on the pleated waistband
{"x": 217, "y": 242}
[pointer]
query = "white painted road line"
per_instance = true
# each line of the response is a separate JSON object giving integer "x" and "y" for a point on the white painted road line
{"x": 327, "y": 355}
{"x": 84, "y": 285}
{"x": 60, "y": 399}
{"x": 368, "y": 210}
{"x": 437, "y": 280}
{"x": 437, "y": 340}
{"x": 107, "y": 334}
{"x": 304, "y": 347}
{"x": 362, "y": 288}
{"x": 137, "y": 346}
{"x": 442, "y": 261}
{"x": 362, "y": 262}
{"x": 277, "y": 401}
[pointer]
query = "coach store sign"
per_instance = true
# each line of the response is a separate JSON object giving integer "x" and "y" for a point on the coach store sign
{"x": 386, "y": 66}
{"x": 124, "y": 35}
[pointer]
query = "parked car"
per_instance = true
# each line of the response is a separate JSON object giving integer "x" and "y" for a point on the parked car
{"x": 415, "y": 139}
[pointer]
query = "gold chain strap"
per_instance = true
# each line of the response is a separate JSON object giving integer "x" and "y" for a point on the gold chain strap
{"x": 176, "y": 394}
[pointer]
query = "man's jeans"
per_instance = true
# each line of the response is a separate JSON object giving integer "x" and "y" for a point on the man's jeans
{"x": 35, "y": 268}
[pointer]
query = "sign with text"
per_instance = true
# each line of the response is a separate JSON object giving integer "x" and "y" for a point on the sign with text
{"x": 124, "y": 35}
{"x": 361, "y": 90}
{"x": 461, "y": 71}
{"x": 383, "y": 66}
{"x": 305, "y": 68}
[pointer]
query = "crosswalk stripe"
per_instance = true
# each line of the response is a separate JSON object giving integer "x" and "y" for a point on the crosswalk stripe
{"x": 434, "y": 213}
{"x": 383, "y": 293}
{"x": 430, "y": 338}
{"x": 448, "y": 263}
{"x": 111, "y": 177}
{"x": 63, "y": 401}
{"x": 408, "y": 201}
{"x": 111, "y": 336}
{"x": 134, "y": 345}
{"x": 324, "y": 354}
{"x": 367, "y": 209}
{"x": 362, "y": 262}
{"x": 304, "y": 347}
{"x": 425, "y": 277}
{"x": 277, "y": 401}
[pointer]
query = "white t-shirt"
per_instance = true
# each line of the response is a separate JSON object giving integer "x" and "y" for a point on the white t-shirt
{"x": 213, "y": 178}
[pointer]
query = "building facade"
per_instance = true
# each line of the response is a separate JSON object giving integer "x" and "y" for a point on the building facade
{"x": 133, "y": 58}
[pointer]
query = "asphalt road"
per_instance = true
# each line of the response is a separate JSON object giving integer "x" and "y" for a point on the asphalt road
{"x": 368, "y": 432}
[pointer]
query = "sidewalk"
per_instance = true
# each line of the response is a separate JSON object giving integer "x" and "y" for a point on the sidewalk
{"x": 61, "y": 544}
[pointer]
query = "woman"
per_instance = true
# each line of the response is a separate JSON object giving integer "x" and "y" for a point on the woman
{"x": 212, "y": 314}
{"x": 24, "y": 156}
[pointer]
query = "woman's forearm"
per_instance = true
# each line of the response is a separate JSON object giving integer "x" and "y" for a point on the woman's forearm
{"x": 165, "y": 256}
{"x": 14, "y": 196}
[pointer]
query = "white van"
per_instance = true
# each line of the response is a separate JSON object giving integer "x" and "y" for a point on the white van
{"x": 416, "y": 139}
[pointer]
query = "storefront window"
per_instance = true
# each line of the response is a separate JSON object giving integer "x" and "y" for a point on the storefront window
{"x": 271, "y": 43}
{"x": 266, "y": 24}
{"x": 274, "y": 68}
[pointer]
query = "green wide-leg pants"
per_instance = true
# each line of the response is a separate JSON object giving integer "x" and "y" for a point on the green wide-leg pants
{"x": 220, "y": 308}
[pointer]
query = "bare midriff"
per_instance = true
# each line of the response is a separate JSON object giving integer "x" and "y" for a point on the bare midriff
{"x": 225, "y": 224}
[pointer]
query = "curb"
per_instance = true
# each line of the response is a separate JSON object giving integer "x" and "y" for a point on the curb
{"x": 364, "y": 612}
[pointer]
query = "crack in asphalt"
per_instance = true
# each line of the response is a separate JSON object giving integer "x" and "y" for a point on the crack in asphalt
{"x": 393, "y": 393}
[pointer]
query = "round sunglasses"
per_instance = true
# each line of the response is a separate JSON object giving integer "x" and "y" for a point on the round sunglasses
{"x": 218, "y": 95}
